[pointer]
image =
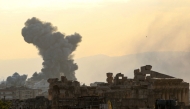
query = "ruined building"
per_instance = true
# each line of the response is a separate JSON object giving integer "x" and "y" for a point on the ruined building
{"x": 140, "y": 92}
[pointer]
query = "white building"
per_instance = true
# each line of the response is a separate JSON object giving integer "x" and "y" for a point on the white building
{"x": 18, "y": 93}
{"x": 43, "y": 85}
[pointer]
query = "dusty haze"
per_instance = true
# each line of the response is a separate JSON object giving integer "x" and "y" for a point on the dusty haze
{"x": 112, "y": 28}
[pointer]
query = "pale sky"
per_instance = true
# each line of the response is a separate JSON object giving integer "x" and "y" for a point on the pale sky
{"x": 110, "y": 27}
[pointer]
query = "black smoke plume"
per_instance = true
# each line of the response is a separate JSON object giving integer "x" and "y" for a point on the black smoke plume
{"x": 54, "y": 47}
{"x": 16, "y": 80}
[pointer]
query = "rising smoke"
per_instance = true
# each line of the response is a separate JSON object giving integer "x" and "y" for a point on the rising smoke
{"x": 55, "y": 48}
{"x": 16, "y": 80}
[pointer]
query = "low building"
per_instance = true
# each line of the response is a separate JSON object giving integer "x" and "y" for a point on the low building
{"x": 21, "y": 93}
{"x": 42, "y": 85}
{"x": 30, "y": 83}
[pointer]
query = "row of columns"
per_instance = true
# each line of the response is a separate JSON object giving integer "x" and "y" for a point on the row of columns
{"x": 181, "y": 94}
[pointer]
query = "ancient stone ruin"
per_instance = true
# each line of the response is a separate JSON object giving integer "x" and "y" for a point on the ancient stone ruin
{"x": 142, "y": 91}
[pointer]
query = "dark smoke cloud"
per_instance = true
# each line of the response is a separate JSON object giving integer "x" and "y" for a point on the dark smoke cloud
{"x": 54, "y": 47}
{"x": 37, "y": 76}
{"x": 16, "y": 80}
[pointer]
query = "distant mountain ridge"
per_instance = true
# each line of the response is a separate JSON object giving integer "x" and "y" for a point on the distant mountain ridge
{"x": 176, "y": 64}
{"x": 94, "y": 68}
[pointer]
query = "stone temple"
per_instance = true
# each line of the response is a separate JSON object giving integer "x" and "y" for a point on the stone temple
{"x": 142, "y": 91}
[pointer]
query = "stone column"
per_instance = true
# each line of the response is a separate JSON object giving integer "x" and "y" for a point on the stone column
{"x": 179, "y": 95}
{"x": 187, "y": 95}
{"x": 167, "y": 94}
{"x": 183, "y": 97}
{"x": 172, "y": 95}
{"x": 176, "y": 93}
{"x": 163, "y": 95}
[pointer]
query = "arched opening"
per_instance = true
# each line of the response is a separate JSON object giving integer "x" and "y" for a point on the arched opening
{"x": 120, "y": 77}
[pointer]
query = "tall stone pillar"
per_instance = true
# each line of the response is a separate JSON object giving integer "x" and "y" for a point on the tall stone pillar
{"x": 163, "y": 95}
{"x": 172, "y": 94}
{"x": 183, "y": 97}
{"x": 167, "y": 94}
{"x": 176, "y": 93}
{"x": 170, "y": 91}
{"x": 187, "y": 95}
{"x": 179, "y": 95}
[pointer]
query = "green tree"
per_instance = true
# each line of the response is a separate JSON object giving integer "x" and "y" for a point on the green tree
{"x": 5, "y": 104}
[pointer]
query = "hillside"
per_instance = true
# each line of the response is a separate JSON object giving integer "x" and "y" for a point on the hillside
{"x": 94, "y": 68}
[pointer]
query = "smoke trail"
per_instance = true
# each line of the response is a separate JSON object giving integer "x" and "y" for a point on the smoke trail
{"x": 53, "y": 46}
{"x": 16, "y": 80}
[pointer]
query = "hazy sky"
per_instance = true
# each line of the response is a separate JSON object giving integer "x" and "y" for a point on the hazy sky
{"x": 110, "y": 27}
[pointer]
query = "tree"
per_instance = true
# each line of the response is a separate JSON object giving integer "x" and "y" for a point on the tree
{"x": 5, "y": 104}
